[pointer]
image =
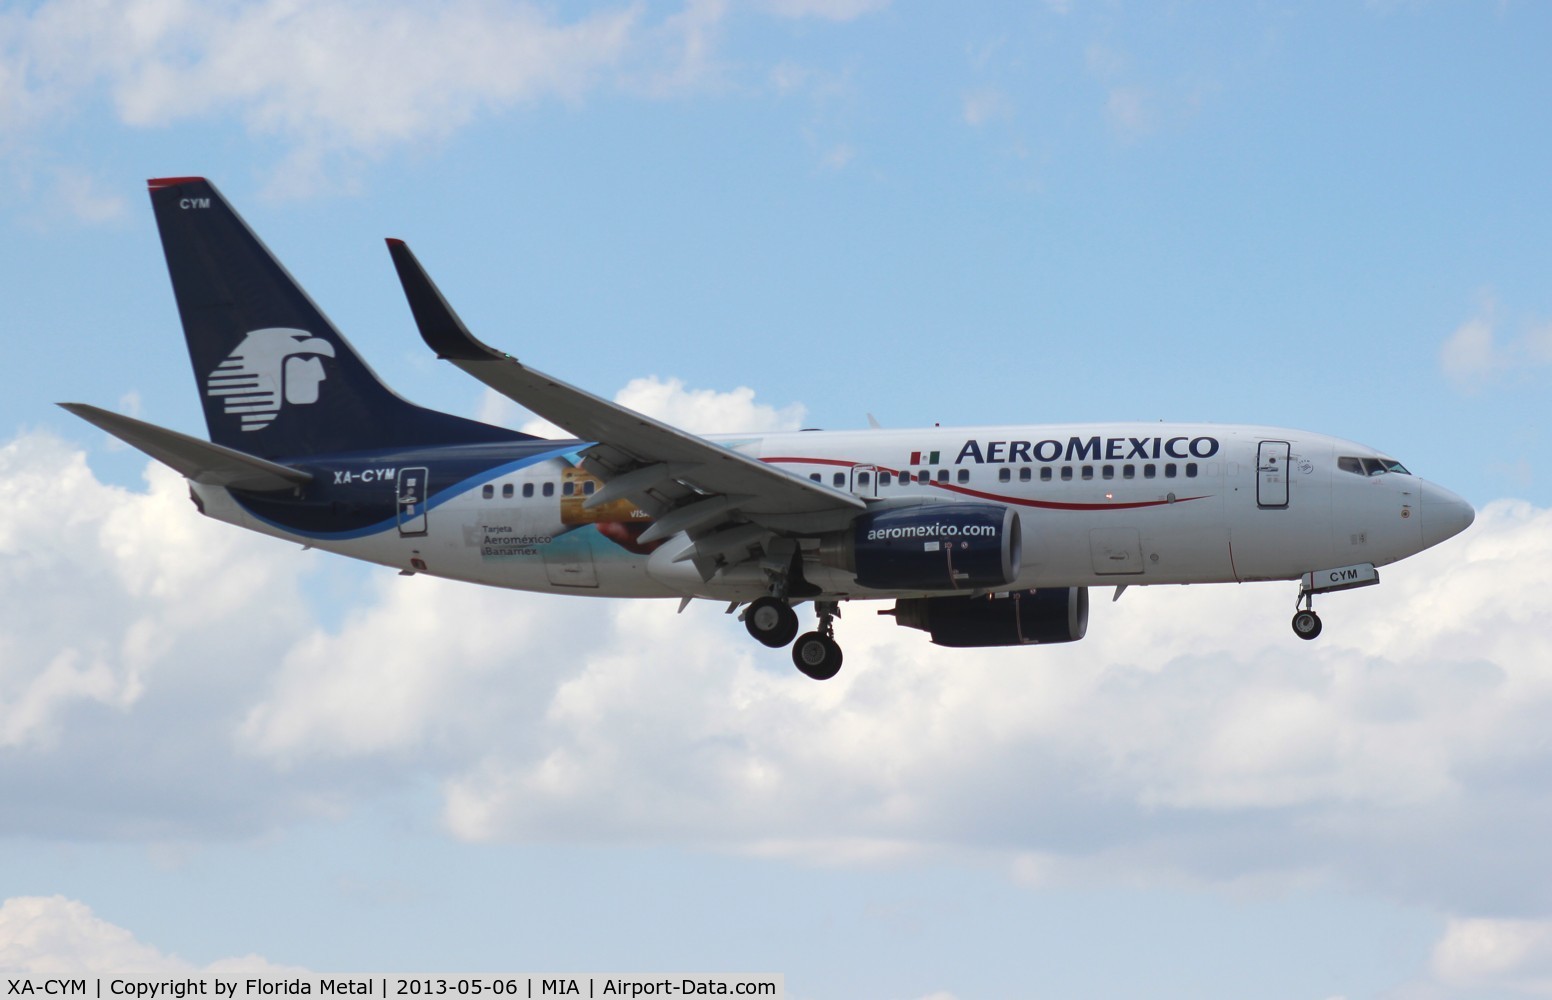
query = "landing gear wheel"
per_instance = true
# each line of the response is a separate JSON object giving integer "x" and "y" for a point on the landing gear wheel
{"x": 817, "y": 656}
{"x": 771, "y": 621}
{"x": 1306, "y": 624}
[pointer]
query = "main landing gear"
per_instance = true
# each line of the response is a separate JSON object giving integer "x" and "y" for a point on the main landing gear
{"x": 816, "y": 653}
{"x": 772, "y": 621}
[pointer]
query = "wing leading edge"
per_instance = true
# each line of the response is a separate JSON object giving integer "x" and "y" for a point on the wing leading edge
{"x": 689, "y": 483}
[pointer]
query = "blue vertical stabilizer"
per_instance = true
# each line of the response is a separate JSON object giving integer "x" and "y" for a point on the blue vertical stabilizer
{"x": 275, "y": 376}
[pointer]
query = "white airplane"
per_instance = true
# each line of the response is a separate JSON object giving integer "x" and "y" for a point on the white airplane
{"x": 983, "y": 536}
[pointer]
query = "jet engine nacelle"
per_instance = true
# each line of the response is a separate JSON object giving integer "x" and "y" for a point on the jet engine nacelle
{"x": 1024, "y": 617}
{"x": 939, "y": 546}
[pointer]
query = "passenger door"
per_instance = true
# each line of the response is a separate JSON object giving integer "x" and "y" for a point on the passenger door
{"x": 1272, "y": 475}
{"x": 412, "y": 488}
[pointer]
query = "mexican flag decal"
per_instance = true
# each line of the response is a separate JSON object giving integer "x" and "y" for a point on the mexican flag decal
{"x": 923, "y": 458}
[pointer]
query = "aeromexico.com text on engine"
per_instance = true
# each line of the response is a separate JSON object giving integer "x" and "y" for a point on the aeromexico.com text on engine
{"x": 895, "y": 532}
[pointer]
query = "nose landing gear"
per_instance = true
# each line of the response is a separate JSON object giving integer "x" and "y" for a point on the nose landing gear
{"x": 1306, "y": 623}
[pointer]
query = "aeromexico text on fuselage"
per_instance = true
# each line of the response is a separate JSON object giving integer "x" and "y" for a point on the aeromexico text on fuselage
{"x": 1080, "y": 449}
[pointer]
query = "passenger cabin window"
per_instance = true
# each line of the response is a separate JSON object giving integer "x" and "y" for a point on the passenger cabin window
{"x": 1045, "y": 473}
{"x": 942, "y": 475}
{"x": 1150, "y": 471}
{"x": 1005, "y": 475}
{"x": 587, "y": 488}
{"x": 1108, "y": 472}
{"x": 1128, "y": 472}
{"x": 864, "y": 478}
{"x": 1169, "y": 470}
{"x": 488, "y": 491}
{"x": 1190, "y": 470}
{"x": 548, "y": 489}
{"x": 567, "y": 488}
{"x": 1066, "y": 473}
{"x": 528, "y": 489}
{"x": 1025, "y": 471}
{"x": 884, "y": 479}
{"x": 506, "y": 491}
{"x": 964, "y": 475}
{"x": 839, "y": 479}
{"x": 1088, "y": 472}
{"x": 814, "y": 476}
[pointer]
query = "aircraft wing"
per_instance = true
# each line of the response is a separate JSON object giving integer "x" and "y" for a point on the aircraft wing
{"x": 691, "y": 482}
{"x": 201, "y": 461}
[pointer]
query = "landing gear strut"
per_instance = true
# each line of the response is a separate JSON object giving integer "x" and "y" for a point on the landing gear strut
{"x": 816, "y": 653}
{"x": 1306, "y": 623}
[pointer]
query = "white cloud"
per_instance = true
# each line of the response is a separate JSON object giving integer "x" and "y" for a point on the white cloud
{"x": 120, "y": 564}
{"x": 344, "y": 73}
{"x": 984, "y": 105}
{"x": 1485, "y": 954}
{"x": 1188, "y": 722}
{"x": 1135, "y": 108}
{"x": 1105, "y": 63}
{"x": 1473, "y": 357}
{"x": 340, "y": 78}
{"x": 127, "y": 625}
{"x": 331, "y": 81}
{"x": 707, "y": 411}
{"x": 699, "y": 411}
{"x": 839, "y": 157}
{"x": 47, "y": 936}
{"x": 685, "y": 50}
{"x": 1469, "y": 356}
{"x": 1190, "y": 737}
{"x": 1130, "y": 112}
{"x": 829, "y": 10}
{"x": 81, "y": 196}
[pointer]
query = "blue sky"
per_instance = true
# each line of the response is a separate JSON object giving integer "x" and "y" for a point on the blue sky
{"x": 791, "y": 213}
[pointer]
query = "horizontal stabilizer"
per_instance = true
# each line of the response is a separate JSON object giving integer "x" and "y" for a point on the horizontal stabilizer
{"x": 201, "y": 461}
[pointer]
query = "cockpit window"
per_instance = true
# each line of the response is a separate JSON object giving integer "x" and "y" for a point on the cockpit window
{"x": 1370, "y": 466}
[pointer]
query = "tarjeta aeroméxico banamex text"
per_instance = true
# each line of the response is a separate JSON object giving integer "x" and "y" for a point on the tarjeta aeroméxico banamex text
{"x": 983, "y": 536}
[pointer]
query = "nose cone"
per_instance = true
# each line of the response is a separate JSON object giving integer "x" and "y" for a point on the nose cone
{"x": 1444, "y": 514}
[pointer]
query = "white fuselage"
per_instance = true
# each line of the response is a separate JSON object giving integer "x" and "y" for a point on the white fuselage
{"x": 1100, "y": 504}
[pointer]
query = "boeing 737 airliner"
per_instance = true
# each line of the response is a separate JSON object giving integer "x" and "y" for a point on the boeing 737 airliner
{"x": 984, "y": 536}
